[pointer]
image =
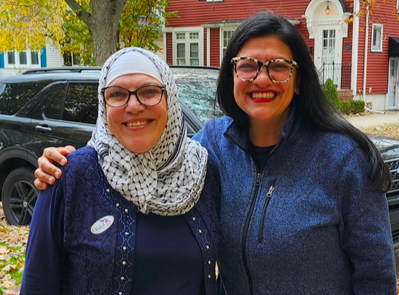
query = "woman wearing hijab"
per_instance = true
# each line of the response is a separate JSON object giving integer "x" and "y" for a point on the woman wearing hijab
{"x": 131, "y": 214}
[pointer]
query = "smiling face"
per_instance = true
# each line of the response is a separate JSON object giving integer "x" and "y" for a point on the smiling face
{"x": 266, "y": 103}
{"x": 136, "y": 126}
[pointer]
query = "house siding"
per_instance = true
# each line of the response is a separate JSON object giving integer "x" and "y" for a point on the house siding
{"x": 215, "y": 48}
{"x": 169, "y": 51}
{"x": 228, "y": 11}
{"x": 377, "y": 62}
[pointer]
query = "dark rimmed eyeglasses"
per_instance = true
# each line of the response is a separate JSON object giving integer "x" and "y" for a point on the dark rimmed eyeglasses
{"x": 148, "y": 95}
{"x": 248, "y": 68}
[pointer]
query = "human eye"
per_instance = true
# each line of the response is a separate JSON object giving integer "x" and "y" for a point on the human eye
{"x": 115, "y": 93}
{"x": 149, "y": 91}
{"x": 279, "y": 66}
{"x": 247, "y": 65}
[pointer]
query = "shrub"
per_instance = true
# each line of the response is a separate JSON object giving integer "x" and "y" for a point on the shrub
{"x": 357, "y": 106}
{"x": 345, "y": 107}
{"x": 331, "y": 93}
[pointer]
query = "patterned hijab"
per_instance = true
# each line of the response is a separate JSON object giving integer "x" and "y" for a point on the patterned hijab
{"x": 168, "y": 179}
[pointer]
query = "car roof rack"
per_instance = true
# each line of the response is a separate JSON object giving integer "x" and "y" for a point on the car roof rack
{"x": 62, "y": 70}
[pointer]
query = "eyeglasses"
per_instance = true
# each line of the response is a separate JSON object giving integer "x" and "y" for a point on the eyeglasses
{"x": 278, "y": 70}
{"x": 117, "y": 96}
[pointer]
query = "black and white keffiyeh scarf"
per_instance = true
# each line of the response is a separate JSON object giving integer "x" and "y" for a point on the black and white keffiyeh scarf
{"x": 168, "y": 179}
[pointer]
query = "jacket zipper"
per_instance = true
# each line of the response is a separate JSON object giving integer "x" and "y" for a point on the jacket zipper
{"x": 245, "y": 234}
{"x": 262, "y": 219}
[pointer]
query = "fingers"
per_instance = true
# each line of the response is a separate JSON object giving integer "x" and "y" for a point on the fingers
{"x": 52, "y": 154}
{"x": 47, "y": 171}
{"x": 40, "y": 184}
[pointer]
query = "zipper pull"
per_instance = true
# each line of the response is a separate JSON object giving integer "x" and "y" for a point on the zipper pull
{"x": 270, "y": 192}
{"x": 262, "y": 219}
{"x": 258, "y": 178}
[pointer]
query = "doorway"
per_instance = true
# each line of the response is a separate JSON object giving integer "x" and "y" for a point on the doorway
{"x": 393, "y": 84}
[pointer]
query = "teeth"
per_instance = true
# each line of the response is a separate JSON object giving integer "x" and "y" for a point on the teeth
{"x": 136, "y": 124}
{"x": 263, "y": 95}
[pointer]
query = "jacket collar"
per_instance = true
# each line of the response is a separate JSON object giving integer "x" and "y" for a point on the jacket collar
{"x": 240, "y": 135}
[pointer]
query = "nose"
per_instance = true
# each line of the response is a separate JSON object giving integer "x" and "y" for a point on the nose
{"x": 263, "y": 77}
{"x": 134, "y": 106}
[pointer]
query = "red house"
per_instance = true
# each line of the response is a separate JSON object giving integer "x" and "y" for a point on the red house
{"x": 355, "y": 44}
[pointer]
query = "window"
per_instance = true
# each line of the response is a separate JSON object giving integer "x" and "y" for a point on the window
{"x": 226, "y": 36}
{"x": 187, "y": 48}
{"x": 22, "y": 58}
{"x": 11, "y": 58}
{"x": 328, "y": 48}
{"x": 76, "y": 102}
{"x": 376, "y": 38}
{"x": 34, "y": 57}
{"x": 76, "y": 59}
{"x": 25, "y": 58}
{"x": 14, "y": 96}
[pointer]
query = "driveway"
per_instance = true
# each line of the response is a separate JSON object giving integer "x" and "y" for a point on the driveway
{"x": 368, "y": 119}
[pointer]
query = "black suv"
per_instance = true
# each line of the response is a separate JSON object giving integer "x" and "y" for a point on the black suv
{"x": 58, "y": 106}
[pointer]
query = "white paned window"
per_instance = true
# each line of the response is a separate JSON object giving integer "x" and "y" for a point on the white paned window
{"x": 226, "y": 36}
{"x": 376, "y": 38}
{"x": 24, "y": 59}
{"x": 34, "y": 57}
{"x": 187, "y": 48}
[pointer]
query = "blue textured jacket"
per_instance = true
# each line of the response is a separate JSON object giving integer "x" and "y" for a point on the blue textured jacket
{"x": 62, "y": 249}
{"x": 305, "y": 224}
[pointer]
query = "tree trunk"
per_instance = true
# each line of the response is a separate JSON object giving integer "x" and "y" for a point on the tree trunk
{"x": 103, "y": 25}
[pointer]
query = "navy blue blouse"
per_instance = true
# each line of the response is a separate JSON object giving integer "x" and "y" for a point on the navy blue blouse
{"x": 85, "y": 238}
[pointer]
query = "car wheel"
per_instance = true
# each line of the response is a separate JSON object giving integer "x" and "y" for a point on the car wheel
{"x": 19, "y": 196}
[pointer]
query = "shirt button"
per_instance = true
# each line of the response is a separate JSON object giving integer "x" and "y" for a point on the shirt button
{"x": 126, "y": 210}
{"x": 209, "y": 276}
{"x": 194, "y": 218}
{"x": 107, "y": 190}
{"x": 124, "y": 248}
{"x": 207, "y": 247}
{"x": 124, "y": 262}
{"x": 122, "y": 278}
{"x": 200, "y": 231}
{"x": 209, "y": 262}
{"x": 117, "y": 204}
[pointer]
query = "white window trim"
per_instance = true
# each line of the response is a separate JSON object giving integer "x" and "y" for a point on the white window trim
{"x": 200, "y": 32}
{"x": 17, "y": 61}
{"x": 397, "y": 6}
{"x": 223, "y": 29}
{"x": 377, "y": 48}
{"x": 214, "y": 0}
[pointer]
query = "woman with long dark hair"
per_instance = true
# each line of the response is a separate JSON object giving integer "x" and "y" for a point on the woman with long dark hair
{"x": 303, "y": 209}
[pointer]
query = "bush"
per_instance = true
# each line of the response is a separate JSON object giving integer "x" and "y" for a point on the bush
{"x": 357, "y": 106}
{"x": 345, "y": 107}
{"x": 331, "y": 93}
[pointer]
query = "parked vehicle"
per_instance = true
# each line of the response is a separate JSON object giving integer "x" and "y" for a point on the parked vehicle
{"x": 58, "y": 106}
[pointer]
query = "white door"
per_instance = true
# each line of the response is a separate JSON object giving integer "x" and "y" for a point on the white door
{"x": 393, "y": 87}
{"x": 329, "y": 66}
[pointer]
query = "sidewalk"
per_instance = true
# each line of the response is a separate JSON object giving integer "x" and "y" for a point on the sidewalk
{"x": 372, "y": 119}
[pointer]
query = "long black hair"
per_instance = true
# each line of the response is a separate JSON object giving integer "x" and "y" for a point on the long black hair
{"x": 311, "y": 105}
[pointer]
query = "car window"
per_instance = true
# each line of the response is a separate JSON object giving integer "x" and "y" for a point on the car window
{"x": 76, "y": 102}
{"x": 197, "y": 88}
{"x": 13, "y": 96}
